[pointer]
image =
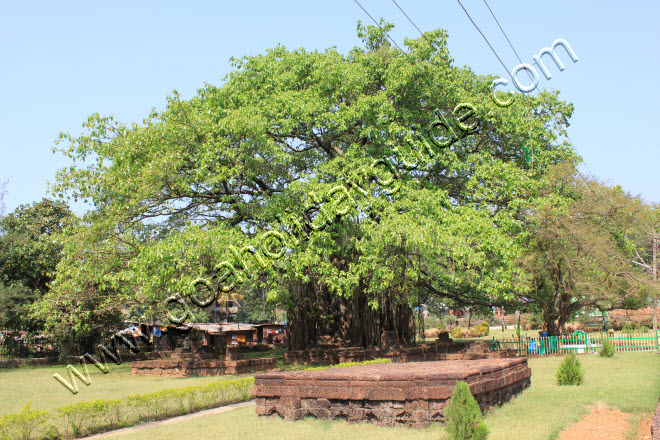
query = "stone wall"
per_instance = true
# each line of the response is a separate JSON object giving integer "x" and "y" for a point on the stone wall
{"x": 12, "y": 363}
{"x": 201, "y": 367}
{"x": 388, "y": 394}
{"x": 441, "y": 350}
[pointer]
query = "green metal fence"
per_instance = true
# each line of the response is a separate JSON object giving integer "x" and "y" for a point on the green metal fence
{"x": 579, "y": 343}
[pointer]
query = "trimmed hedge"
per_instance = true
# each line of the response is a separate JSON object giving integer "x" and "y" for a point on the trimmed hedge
{"x": 24, "y": 425}
{"x": 100, "y": 415}
{"x": 85, "y": 418}
{"x": 475, "y": 332}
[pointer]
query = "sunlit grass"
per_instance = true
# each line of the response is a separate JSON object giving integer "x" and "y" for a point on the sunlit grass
{"x": 36, "y": 384}
{"x": 628, "y": 381}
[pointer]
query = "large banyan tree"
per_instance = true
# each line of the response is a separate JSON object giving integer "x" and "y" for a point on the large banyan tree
{"x": 351, "y": 186}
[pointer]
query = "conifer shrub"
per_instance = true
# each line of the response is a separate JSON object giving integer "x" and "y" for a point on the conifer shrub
{"x": 463, "y": 419}
{"x": 569, "y": 371}
{"x": 607, "y": 350}
{"x": 627, "y": 328}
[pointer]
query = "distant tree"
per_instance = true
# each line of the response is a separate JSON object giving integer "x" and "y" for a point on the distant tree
{"x": 580, "y": 242}
{"x": 255, "y": 308}
{"x": 3, "y": 191}
{"x": 29, "y": 253}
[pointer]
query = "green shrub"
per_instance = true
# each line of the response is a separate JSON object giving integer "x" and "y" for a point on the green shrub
{"x": 87, "y": 417}
{"x": 607, "y": 350}
{"x": 456, "y": 332}
{"x": 24, "y": 425}
{"x": 535, "y": 322}
{"x": 481, "y": 330}
{"x": 643, "y": 329}
{"x": 448, "y": 321}
{"x": 627, "y": 328}
{"x": 463, "y": 419}
{"x": 569, "y": 371}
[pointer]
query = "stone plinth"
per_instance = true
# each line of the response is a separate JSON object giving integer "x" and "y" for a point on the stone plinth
{"x": 655, "y": 424}
{"x": 387, "y": 394}
{"x": 201, "y": 367}
{"x": 439, "y": 351}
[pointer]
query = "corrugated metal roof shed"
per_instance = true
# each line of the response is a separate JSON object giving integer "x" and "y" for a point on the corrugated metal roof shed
{"x": 216, "y": 329}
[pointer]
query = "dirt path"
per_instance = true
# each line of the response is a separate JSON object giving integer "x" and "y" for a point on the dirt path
{"x": 605, "y": 423}
{"x": 644, "y": 428}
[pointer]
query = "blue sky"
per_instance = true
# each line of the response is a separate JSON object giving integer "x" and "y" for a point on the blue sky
{"x": 62, "y": 61}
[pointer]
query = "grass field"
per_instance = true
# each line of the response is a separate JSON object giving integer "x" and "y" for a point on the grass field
{"x": 509, "y": 333}
{"x": 20, "y": 385}
{"x": 629, "y": 382}
{"x": 496, "y": 333}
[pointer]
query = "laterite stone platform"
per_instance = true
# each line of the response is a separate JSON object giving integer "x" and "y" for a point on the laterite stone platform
{"x": 413, "y": 393}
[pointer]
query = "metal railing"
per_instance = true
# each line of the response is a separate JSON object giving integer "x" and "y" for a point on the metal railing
{"x": 579, "y": 343}
{"x": 20, "y": 348}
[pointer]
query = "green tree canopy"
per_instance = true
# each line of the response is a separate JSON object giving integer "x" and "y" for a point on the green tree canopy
{"x": 582, "y": 238}
{"x": 287, "y": 144}
{"x": 29, "y": 253}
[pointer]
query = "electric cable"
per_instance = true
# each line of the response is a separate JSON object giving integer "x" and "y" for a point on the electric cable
{"x": 381, "y": 28}
{"x": 531, "y": 144}
{"x": 517, "y": 56}
{"x": 525, "y": 96}
{"x": 505, "y": 36}
{"x": 413, "y": 23}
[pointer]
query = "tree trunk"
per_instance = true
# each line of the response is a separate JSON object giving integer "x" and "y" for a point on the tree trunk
{"x": 314, "y": 312}
{"x": 550, "y": 320}
{"x": 469, "y": 317}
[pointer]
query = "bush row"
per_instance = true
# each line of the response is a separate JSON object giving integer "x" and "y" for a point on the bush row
{"x": 475, "y": 332}
{"x": 89, "y": 417}
{"x": 85, "y": 418}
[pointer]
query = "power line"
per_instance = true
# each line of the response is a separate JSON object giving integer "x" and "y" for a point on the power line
{"x": 377, "y": 24}
{"x": 507, "y": 38}
{"x": 526, "y": 98}
{"x": 486, "y": 40}
{"x": 498, "y": 58}
{"x": 531, "y": 144}
{"x": 413, "y": 23}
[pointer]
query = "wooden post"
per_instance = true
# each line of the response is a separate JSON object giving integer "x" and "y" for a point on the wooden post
{"x": 654, "y": 303}
{"x": 502, "y": 320}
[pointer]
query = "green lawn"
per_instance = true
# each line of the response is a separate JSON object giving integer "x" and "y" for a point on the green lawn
{"x": 509, "y": 333}
{"x": 629, "y": 382}
{"x": 497, "y": 334}
{"x": 20, "y": 385}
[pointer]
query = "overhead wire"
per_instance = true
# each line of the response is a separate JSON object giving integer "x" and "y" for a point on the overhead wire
{"x": 531, "y": 143}
{"x": 567, "y": 136}
{"x": 498, "y": 58}
{"x": 413, "y": 23}
{"x": 381, "y": 28}
{"x": 523, "y": 94}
